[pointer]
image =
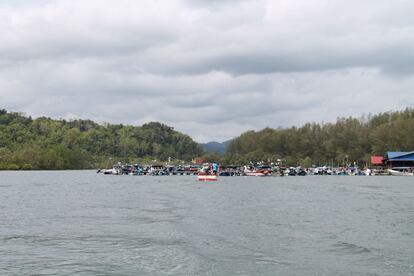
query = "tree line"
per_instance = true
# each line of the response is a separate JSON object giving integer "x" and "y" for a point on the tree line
{"x": 344, "y": 141}
{"x": 45, "y": 143}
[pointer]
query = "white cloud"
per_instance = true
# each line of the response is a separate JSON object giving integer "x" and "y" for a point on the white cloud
{"x": 211, "y": 69}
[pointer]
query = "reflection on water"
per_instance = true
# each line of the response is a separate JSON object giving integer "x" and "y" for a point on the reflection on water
{"x": 78, "y": 222}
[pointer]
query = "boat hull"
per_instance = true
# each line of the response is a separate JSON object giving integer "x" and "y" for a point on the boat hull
{"x": 400, "y": 173}
{"x": 207, "y": 177}
{"x": 255, "y": 174}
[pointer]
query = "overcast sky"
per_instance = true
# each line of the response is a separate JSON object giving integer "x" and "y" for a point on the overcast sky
{"x": 210, "y": 68}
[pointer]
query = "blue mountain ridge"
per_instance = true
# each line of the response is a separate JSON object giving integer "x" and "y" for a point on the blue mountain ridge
{"x": 216, "y": 147}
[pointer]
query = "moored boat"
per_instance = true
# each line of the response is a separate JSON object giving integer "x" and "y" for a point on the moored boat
{"x": 401, "y": 171}
{"x": 249, "y": 171}
{"x": 113, "y": 171}
{"x": 255, "y": 173}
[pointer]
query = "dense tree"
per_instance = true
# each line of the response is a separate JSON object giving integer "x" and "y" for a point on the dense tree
{"x": 44, "y": 143}
{"x": 346, "y": 140}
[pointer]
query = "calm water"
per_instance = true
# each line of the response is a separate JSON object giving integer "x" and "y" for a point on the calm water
{"x": 78, "y": 222}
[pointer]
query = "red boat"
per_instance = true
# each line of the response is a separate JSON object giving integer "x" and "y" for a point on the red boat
{"x": 253, "y": 172}
{"x": 208, "y": 172}
{"x": 206, "y": 177}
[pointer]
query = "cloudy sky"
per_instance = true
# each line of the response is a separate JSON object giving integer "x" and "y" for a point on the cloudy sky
{"x": 209, "y": 68}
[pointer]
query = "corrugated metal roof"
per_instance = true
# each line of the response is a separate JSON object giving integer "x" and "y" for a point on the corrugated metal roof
{"x": 394, "y": 154}
{"x": 400, "y": 155}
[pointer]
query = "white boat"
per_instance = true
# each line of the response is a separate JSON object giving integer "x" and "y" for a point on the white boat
{"x": 401, "y": 171}
{"x": 114, "y": 171}
{"x": 207, "y": 177}
{"x": 255, "y": 173}
{"x": 250, "y": 171}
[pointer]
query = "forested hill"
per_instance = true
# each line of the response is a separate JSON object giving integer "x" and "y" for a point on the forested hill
{"x": 44, "y": 143}
{"x": 346, "y": 140}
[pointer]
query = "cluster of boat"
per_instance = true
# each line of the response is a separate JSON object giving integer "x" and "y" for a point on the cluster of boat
{"x": 206, "y": 171}
{"x": 126, "y": 169}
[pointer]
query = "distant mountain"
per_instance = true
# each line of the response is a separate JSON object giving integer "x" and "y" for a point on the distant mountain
{"x": 216, "y": 147}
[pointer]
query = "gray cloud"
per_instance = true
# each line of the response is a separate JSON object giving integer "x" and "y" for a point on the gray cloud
{"x": 211, "y": 69}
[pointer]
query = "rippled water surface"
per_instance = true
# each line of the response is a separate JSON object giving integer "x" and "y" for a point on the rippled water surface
{"x": 79, "y": 222}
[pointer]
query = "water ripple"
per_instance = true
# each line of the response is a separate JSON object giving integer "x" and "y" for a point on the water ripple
{"x": 81, "y": 223}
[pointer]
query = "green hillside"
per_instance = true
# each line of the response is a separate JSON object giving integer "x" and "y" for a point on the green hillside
{"x": 346, "y": 140}
{"x": 45, "y": 143}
